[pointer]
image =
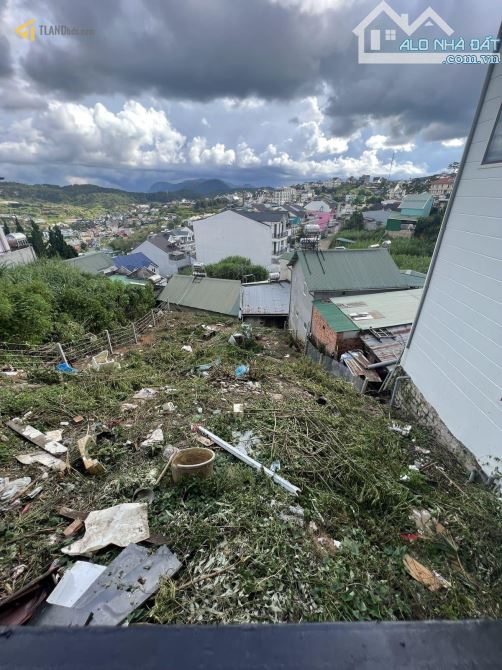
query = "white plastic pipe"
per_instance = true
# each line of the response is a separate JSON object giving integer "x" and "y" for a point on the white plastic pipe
{"x": 290, "y": 488}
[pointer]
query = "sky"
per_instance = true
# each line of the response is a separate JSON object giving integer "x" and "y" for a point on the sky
{"x": 258, "y": 92}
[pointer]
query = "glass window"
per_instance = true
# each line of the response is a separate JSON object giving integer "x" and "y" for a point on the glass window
{"x": 493, "y": 152}
{"x": 390, "y": 35}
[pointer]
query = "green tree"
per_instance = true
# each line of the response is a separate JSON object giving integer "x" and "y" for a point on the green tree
{"x": 236, "y": 267}
{"x": 36, "y": 240}
{"x": 19, "y": 227}
{"x": 58, "y": 246}
{"x": 6, "y": 228}
{"x": 355, "y": 222}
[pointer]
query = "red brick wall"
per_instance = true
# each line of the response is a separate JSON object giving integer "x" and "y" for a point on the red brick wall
{"x": 333, "y": 343}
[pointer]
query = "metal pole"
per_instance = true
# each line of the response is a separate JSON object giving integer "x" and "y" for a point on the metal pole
{"x": 109, "y": 342}
{"x": 61, "y": 352}
{"x": 134, "y": 333}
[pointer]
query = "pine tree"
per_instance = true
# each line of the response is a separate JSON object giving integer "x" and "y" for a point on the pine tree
{"x": 37, "y": 240}
{"x": 19, "y": 227}
{"x": 57, "y": 245}
{"x": 6, "y": 228}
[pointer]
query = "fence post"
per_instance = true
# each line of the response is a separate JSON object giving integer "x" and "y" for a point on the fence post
{"x": 153, "y": 317}
{"x": 134, "y": 333}
{"x": 61, "y": 352}
{"x": 109, "y": 342}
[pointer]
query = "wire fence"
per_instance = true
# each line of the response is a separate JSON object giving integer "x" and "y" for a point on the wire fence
{"x": 51, "y": 354}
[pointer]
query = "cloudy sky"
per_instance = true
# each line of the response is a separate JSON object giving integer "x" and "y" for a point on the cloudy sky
{"x": 250, "y": 91}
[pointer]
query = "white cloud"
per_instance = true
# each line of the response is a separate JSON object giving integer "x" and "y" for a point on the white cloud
{"x": 199, "y": 153}
{"x": 314, "y": 6}
{"x": 312, "y": 138}
{"x": 246, "y": 103}
{"x": 382, "y": 142}
{"x": 453, "y": 143}
{"x": 205, "y": 122}
{"x": 246, "y": 156}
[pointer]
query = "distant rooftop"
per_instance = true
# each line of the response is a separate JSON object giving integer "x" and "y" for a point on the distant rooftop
{"x": 208, "y": 294}
{"x": 269, "y": 216}
{"x": 415, "y": 200}
{"x": 133, "y": 261}
{"x": 380, "y": 310}
{"x": 265, "y": 298}
{"x": 93, "y": 262}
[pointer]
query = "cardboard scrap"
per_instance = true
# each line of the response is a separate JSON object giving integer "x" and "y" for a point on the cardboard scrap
{"x": 73, "y": 528}
{"x": 432, "y": 580}
{"x": 119, "y": 525}
{"x": 92, "y": 465}
{"x": 43, "y": 458}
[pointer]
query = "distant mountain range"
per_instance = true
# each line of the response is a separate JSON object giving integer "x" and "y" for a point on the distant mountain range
{"x": 198, "y": 186}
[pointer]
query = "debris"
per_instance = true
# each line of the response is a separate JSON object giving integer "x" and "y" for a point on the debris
{"x": 421, "y": 450}
{"x": 409, "y": 537}
{"x": 74, "y": 583}
{"x": 102, "y": 362}
{"x": 37, "y": 438}
{"x": 238, "y": 408}
{"x": 145, "y": 394}
{"x": 432, "y": 580}
{"x": 295, "y": 514}
{"x": 35, "y": 492}
{"x": 18, "y": 571}
{"x": 423, "y": 521}
{"x": 11, "y": 489}
{"x": 64, "y": 423}
{"x": 129, "y": 407}
{"x": 187, "y": 348}
{"x": 73, "y": 528}
{"x": 78, "y": 419}
{"x": 403, "y": 430}
{"x": 64, "y": 367}
{"x": 245, "y": 441}
{"x": 204, "y": 440}
{"x": 169, "y": 407}
{"x": 55, "y": 435}
{"x": 276, "y": 466}
{"x": 323, "y": 542}
{"x": 194, "y": 461}
{"x": 129, "y": 581}
{"x": 241, "y": 371}
{"x": 205, "y": 367}
{"x": 92, "y": 465}
{"x": 209, "y": 331}
{"x": 250, "y": 461}
{"x": 20, "y": 606}
{"x": 119, "y": 525}
{"x": 155, "y": 437}
{"x": 43, "y": 458}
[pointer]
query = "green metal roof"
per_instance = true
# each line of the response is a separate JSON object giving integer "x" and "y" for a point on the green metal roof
{"x": 415, "y": 200}
{"x": 349, "y": 270}
{"x": 93, "y": 262}
{"x": 212, "y": 295}
{"x": 334, "y": 317}
{"x": 380, "y": 310}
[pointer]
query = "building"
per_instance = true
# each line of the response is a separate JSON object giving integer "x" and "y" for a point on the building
{"x": 93, "y": 262}
{"x": 283, "y": 195}
{"x": 442, "y": 188}
{"x": 323, "y": 275}
{"x": 132, "y": 263}
{"x": 378, "y": 323}
{"x": 416, "y": 204}
{"x": 400, "y": 225}
{"x": 183, "y": 239}
{"x": 206, "y": 294}
{"x": 454, "y": 354}
{"x": 260, "y": 236}
{"x": 13, "y": 252}
{"x": 265, "y": 303}
{"x": 164, "y": 254}
{"x": 318, "y": 206}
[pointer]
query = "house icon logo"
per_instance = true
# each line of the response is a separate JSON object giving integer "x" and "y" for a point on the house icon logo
{"x": 382, "y": 32}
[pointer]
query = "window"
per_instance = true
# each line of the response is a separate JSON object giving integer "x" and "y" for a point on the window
{"x": 390, "y": 35}
{"x": 493, "y": 153}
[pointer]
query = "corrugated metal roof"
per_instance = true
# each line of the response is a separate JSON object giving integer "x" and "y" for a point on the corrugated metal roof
{"x": 128, "y": 280}
{"x": 349, "y": 270}
{"x": 413, "y": 278}
{"x": 387, "y": 349}
{"x": 93, "y": 262}
{"x": 392, "y": 308}
{"x": 265, "y": 298}
{"x": 334, "y": 317}
{"x": 212, "y": 295}
{"x": 133, "y": 261}
{"x": 415, "y": 200}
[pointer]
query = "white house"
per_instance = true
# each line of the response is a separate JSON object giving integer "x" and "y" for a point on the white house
{"x": 454, "y": 354}
{"x": 161, "y": 251}
{"x": 318, "y": 206}
{"x": 259, "y": 236}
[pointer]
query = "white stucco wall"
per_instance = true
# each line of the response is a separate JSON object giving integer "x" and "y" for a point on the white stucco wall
{"x": 17, "y": 257}
{"x": 166, "y": 266}
{"x": 455, "y": 354}
{"x": 230, "y": 234}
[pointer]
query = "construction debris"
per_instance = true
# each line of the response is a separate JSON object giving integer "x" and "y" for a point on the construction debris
{"x": 43, "y": 458}
{"x": 128, "y": 407}
{"x": 432, "y": 580}
{"x": 145, "y": 394}
{"x": 55, "y": 435}
{"x": 78, "y": 419}
{"x": 73, "y": 528}
{"x": 129, "y": 581}
{"x": 238, "y": 408}
{"x": 92, "y": 465}
{"x": 155, "y": 437}
{"x": 74, "y": 583}
{"x": 19, "y": 607}
{"x": 403, "y": 430}
{"x": 246, "y": 441}
{"x": 37, "y": 438}
{"x": 290, "y": 488}
{"x": 187, "y": 348}
{"x": 119, "y": 525}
